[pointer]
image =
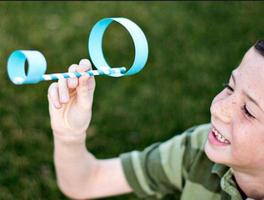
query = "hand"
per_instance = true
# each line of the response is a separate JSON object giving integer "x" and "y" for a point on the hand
{"x": 70, "y": 102}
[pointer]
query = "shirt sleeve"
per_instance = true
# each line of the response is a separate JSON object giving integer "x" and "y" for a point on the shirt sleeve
{"x": 161, "y": 169}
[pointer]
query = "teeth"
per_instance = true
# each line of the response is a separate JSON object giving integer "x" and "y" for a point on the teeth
{"x": 220, "y": 137}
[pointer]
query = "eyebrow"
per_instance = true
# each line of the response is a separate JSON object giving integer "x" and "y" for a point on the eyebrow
{"x": 247, "y": 95}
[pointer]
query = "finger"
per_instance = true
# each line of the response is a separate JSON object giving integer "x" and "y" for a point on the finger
{"x": 53, "y": 95}
{"x": 85, "y": 91}
{"x": 86, "y": 86}
{"x": 63, "y": 90}
{"x": 88, "y": 82}
{"x": 73, "y": 82}
{"x": 85, "y": 80}
{"x": 84, "y": 65}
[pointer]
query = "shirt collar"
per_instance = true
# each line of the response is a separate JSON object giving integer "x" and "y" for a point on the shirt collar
{"x": 227, "y": 183}
{"x": 219, "y": 169}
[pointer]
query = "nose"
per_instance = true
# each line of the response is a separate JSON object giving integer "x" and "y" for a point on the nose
{"x": 224, "y": 108}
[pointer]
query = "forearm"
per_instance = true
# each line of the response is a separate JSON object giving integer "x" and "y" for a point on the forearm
{"x": 80, "y": 175}
{"x": 75, "y": 166}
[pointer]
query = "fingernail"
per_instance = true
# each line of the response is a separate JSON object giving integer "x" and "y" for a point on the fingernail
{"x": 73, "y": 82}
{"x": 70, "y": 82}
{"x": 85, "y": 80}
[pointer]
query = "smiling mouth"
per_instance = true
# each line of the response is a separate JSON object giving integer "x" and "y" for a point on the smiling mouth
{"x": 219, "y": 137}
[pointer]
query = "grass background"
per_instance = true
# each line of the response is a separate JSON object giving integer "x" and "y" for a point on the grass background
{"x": 193, "y": 48}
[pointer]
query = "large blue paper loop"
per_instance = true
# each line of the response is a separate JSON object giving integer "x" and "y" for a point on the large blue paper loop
{"x": 37, "y": 66}
{"x": 140, "y": 42}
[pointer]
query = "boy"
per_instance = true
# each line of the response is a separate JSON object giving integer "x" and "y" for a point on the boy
{"x": 220, "y": 160}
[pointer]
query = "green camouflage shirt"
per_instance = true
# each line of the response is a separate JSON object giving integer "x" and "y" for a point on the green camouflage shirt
{"x": 179, "y": 169}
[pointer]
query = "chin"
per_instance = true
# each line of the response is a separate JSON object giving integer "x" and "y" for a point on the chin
{"x": 214, "y": 154}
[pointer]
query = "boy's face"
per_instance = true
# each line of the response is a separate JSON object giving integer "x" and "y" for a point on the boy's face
{"x": 237, "y": 115}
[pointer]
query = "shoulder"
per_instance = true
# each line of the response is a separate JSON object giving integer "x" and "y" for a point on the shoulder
{"x": 193, "y": 138}
{"x": 197, "y": 135}
{"x": 178, "y": 153}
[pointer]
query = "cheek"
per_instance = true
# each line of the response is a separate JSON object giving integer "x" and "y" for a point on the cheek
{"x": 248, "y": 145}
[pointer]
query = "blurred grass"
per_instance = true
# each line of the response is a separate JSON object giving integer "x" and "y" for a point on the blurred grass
{"x": 193, "y": 48}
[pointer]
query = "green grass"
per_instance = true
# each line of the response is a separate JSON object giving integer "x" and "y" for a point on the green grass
{"x": 193, "y": 48}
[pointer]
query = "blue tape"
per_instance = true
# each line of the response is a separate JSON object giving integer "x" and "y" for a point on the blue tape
{"x": 96, "y": 39}
{"x": 37, "y": 64}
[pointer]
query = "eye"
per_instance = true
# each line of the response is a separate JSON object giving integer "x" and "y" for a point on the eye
{"x": 245, "y": 110}
{"x": 227, "y": 86}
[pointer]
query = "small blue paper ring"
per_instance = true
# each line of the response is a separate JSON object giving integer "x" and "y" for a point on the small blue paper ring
{"x": 37, "y": 66}
{"x": 95, "y": 46}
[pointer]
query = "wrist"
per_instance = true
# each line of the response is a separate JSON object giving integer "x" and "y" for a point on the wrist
{"x": 67, "y": 150}
{"x": 72, "y": 138}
